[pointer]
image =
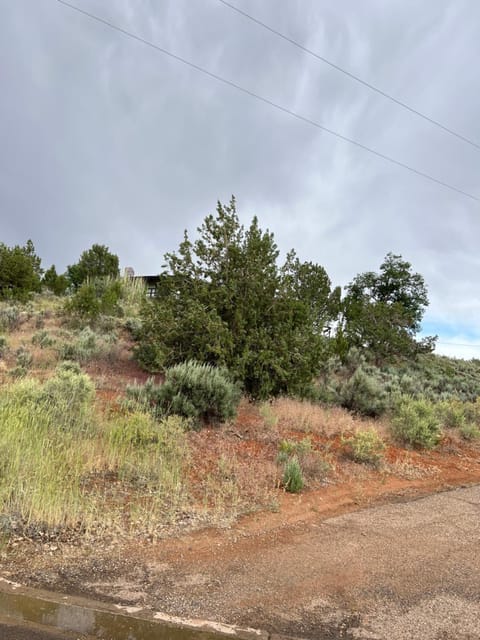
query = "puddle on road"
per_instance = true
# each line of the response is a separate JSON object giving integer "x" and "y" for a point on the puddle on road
{"x": 101, "y": 624}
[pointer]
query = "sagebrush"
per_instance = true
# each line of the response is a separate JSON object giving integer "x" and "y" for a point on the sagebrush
{"x": 200, "y": 392}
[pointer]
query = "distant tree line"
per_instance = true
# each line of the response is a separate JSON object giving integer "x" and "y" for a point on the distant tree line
{"x": 21, "y": 274}
{"x": 224, "y": 299}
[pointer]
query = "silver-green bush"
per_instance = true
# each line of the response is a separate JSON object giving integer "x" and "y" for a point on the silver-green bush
{"x": 192, "y": 390}
{"x": 69, "y": 396}
{"x": 416, "y": 423}
{"x": 364, "y": 393}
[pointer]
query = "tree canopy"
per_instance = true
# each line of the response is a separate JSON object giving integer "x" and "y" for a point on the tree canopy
{"x": 20, "y": 271}
{"x": 96, "y": 262}
{"x": 382, "y": 312}
{"x": 57, "y": 284}
{"x": 223, "y": 299}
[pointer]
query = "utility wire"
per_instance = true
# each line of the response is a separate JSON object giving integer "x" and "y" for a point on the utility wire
{"x": 275, "y": 105}
{"x": 459, "y": 344}
{"x": 349, "y": 74}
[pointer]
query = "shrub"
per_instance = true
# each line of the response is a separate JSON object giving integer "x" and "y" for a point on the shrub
{"x": 9, "y": 318}
{"x": 150, "y": 355}
{"x": 145, "y": 397}
{"x": 199, "y": 391}
{"x": 109, "y": 291}
{"x": 39, "y": 320}
{"x": 69, "y": 396}
{"x": 84, "y": 302}
{"x": 364, "y": 446}
{"x": 451, "y": 413}
{"x": 24, "y": 358}
{"x": 435, "y": 378}
{"x": 192, "y": 390}
{"x": 415, "y": 423}
{"x": 363, "y": 393}
{"x": 42, "y": 339}
{"x": 78, "y": 348}
{"x": 470, "y": 432}
{"x": 292, "y": 476}
{"x": 87, "y": 345}
{"x": 107, "y": 325}
{"x": 134, "y": 326}
{"x": 100, "y": 296}
{"x": 3, "y": 346}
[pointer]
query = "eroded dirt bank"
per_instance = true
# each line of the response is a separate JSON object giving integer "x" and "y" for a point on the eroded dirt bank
{"x": 360, "y": 561}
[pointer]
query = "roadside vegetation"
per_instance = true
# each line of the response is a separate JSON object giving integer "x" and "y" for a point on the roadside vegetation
{"x": 242, "y": 381}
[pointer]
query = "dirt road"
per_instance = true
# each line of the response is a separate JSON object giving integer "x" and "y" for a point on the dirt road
{"x": 397, "y": 571}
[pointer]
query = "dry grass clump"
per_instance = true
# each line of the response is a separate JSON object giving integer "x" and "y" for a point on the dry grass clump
{"x": 409, "y": 469}
{"x": 301, "y": 415}
{"x": 236, "y": 486}
{"x": 231, "y": 474}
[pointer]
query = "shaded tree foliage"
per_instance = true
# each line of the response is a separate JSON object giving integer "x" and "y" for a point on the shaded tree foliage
{"x": 20, "y": 271}
{"x": 96, "y": 262}
{"x": 57, "y": 284}
{"x": 224, "y": 300}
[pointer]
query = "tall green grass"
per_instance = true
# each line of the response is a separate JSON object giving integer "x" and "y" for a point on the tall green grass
{"x": 41, "y": 458}
{"x": 133, "y": 295}
{"x": 64, "y": 465}
{"x": 152, "y": 457}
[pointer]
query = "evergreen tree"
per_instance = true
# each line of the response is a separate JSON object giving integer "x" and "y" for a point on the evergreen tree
{"x": 20, "y": 271}
{"x": 224, "y": 300}
{"x": 97, "y": 262}
{"x": 57, "y": 284}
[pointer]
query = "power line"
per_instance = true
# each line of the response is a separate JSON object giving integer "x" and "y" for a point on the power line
{"x": 458, "y": 344}
{"x": 275, "y": 105}
{"x": 349, "y": 74}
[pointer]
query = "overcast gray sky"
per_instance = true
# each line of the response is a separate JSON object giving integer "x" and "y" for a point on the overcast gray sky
{"x": 103, "y": 139}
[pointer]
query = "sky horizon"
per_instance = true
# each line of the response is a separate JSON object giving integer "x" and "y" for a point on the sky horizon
{"x": 106, "y": 140}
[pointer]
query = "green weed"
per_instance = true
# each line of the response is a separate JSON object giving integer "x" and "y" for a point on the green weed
{"x": 365, "y": 446}
{"x": 292, "y": 478}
